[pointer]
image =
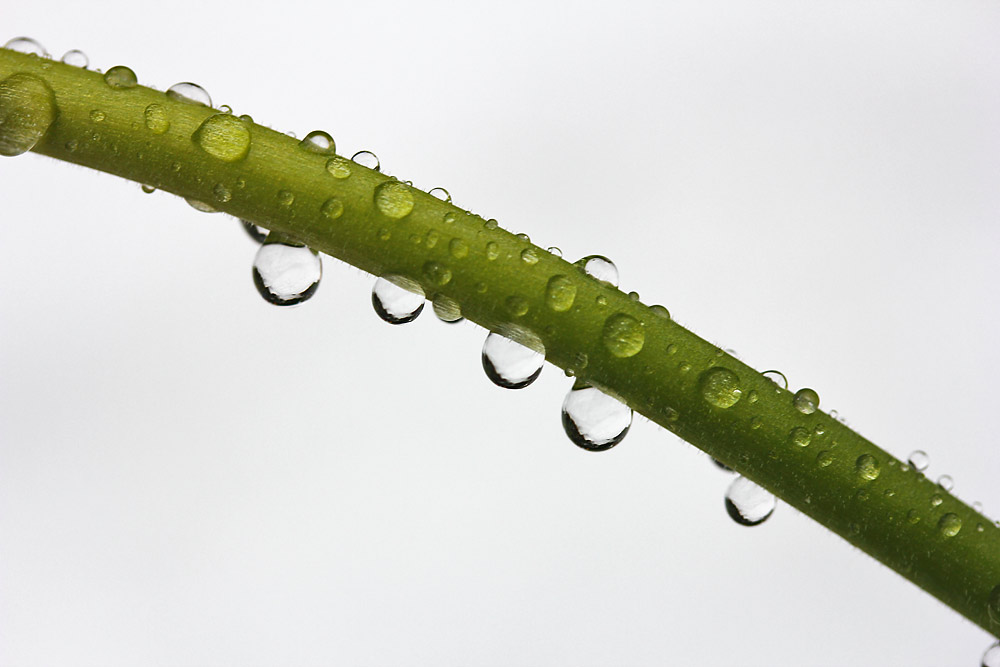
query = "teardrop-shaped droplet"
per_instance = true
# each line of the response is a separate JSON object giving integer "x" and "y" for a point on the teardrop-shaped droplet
{"x": 76, "y": 58}
{"x": 949, "y": 525}
{"x": 599, "y": 267}
{"x": 367, "y": 159}
{"x": 777, "y": 377}
{"x": 27, "y": 45}
{"x": 120, "y": 77}
{"x": 27, "y": 110}
{"x": 919, "y": 460}
{"x": 510, "y": 364}
{"x": 189, "y": 93}
{"x": 623, "y": 336}
{"x": 806, "y": 401}
{"x": 749, "y": 504}
{"x": 148, "y": 189}
{"x": 394, "y": 199}
{"x": 720, "y": 387}
{"x": 447, "y": 309}
{"x": 318, "y": 141}
{"x": 992, "y": 656}
{"x": 593, "y": 420}
{"x": 396, "y": 305}
{"x": 258, "y": 234}
{"x": 286, "y": 274}
{"x": 224, "y": 137}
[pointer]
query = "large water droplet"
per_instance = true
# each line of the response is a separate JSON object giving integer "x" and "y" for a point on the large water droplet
{"x": 447, "y": 309}
{"x": 530, "y": 255}
{"x": 397, "y": 305}
{"x": 593, "y": 420}
{"x": 992, "y": 656}
{"x": 120, "y": 77}
{"x": 394, "y": 199}
{"x": 441, "y": 194}
{"x": 806, "y": 401}
{"x": 458, "y": 248}
{"x": 189, "y": 93}
{"x": 623, "y": 336}
{"x": 749, "y": 504}
{"x": 560, "y": 293}
{"x": 919, "y": 460}
{"x": 600, "y": 267}
{"x": 777, "y": 377}
{"x": 949, "y": 524}
{"x": 76, "y": 58}
{"x": 27, "y": 110}
{"x": 867, "y": 467}
{"x": 720, "y": 387}
{"x": 509, "y": 364}
{"x": 318, "y": 141}
{"x": 27, "y": 45}
{"x": 258, "y": 234}
{"x": 286, "y": 274}
{"x": 224, "y": 136}
{"x": 367, "y": 159}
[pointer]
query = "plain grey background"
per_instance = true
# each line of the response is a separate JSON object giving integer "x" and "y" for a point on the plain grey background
{"x": 191, "y": 476}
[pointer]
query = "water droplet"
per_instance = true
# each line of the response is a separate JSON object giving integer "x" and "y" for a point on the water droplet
{"x": 285, "y": 273}
{"x": 623, "y": 336}
{"x": 447, "y": 309}
{"x": 755, "y": 422}
{"x": 554, "y": 251}
{"x": 777, "y": 377}
{"x": 27, "y": 110}
{"x": 919, "y": 460}
{"x": 936, "y": 500}
{"x": 490, "y": 224}
{"x": 432, "y": 237}
{"x": 824, "y": 459}
{"x": 258, "y": 234}
{"x": 913, "y": 516}
{"x": 529, "y": 256}
{"x": 76, "y": 58}
{"x": 481, "y": 287}
{"x": 189, "y": 93}
{"x": 806, "y": 401}
{"x": 946, "y": 482}
{"x": 492, "y": 250}
{"x": 993, "y": 604}
{"x": 443, "y": 195}
{"x": 458, "y": 248}
{"x": 517, "y": 306}
{"x": 221, "y": 193}
{"x": 867, "y": 467}
{"x": 992, "y": 656}
{"x": 949, "y": 524}
{"x": 722, "y": 466}
{"x": 510, "y": 364}
{"x": 367, "y": 159}
{"x": 120, "y": 77}
{"x": 286, "y": 198}
{"x": 225, "y": 108}
{"x": 593, "y": 420}
{"x": 720, "y": 387}
{"x": 338, "y": 167}
{"x": 72, "y": 145}
{"x": 800, "y": 437}
{"x": 524, "y": 237}
{"x": 394, "y": 199}
{"x": 977, "y": 506}
{"x": 449, "y": 218}
{"x": 660, "y": 311}
{"x": 223, "y": 136}
{"x": 599, "y": 267}
{"x": 148, "y": 189}
{"x": 395, "y": 304}
{"x": 318, "y": 141}
{"x": 749, "y": 504}
{"x": 27, "y": 45}
{"x": 156, "y": 120}
{"x": 97, "y": 116}
{"x": 437, "y": 273}
{"x": 332, "y": 208}
{"x": 200, "y": 205}
{"x": 560, "y": 293}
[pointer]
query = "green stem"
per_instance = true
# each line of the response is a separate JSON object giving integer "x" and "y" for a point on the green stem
{"x": 506, "y": 284}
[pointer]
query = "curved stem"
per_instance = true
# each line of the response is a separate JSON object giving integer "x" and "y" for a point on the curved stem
{"x": 506, "y": 284}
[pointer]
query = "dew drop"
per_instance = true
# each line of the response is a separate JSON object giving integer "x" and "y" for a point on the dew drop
{"x": 720, "y": 387}
{"x": 338, "y": 167}
{"x": 992, "y": 656}
{"x": 437, "y": 273}
{"x": 529, "y": 256}
{"x": 27, "y": 45}
{"x": 224, "y": 137}
{"x": 200, "y": 205}
{"x": 449, "y": 218}
{"x": 395, "y": 304}
{"x": 120, "y": 77}
{"x": 510, "y": 364}
{"x": 332, "y": 208}
{"x": 824, "y": 459}
{"x": 919, "y": 460}
{"x": 155, "y": 117}
{"x": 286, "y": 274}
{"x": 593, "y": 420}
{"x": 490, "y": 224}
{"x": 599, "y": 267}
{"x": 993, "y": 604}
{"x": 623, "y": 336}
{"x": 394, "y": 199}
{"x": 949, "y": 525}
{"x": 867, "y": 467}
{"x": 258, "y": 234}
{"x": 517, "y": 306}
{"x": 560, "y": 293}
{"x": 458, "y": 248}
{"x": 800, "y": 437}
{"x": 447, "y": 309}
{"x": 189, "y": 93}
{"x": 148, "y": 189}
{"x": 946, "y": 482}
{"x": 660, "y": 311}
{"x": 443, "y": 195}
{"x": 806, "y": 401}
{"x": 76, "y": 58}
{"x": 492, "y": 250}
{"x": 318, "y": 141}
{"x": 913, "y": 516}
{"x": 554, "y": 251}
{"x": 286, "y": 198}
{"x": 221, "y": 193}
{"x": 27, "y": 110}
{"x": 367, "y": 159}
{"x": 936, "y": 500}
{"x": 777, "y": 377}
{"x": 97, "y": 116}
{"x": 749, "y": 504}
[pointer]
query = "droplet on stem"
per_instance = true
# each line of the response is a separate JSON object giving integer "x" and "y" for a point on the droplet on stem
{"x": 510, "y": 364}
{"x": 749, "y": 504}
{"x": 593, "y": 420}
{"x": 599, "y": 267}
{"x": 286, "y": 273}
{"x": 397, "y": 305}
{"x": 189, "y": 93}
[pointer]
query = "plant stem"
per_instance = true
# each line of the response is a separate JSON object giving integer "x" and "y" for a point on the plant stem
{"x": 504, "y": 283}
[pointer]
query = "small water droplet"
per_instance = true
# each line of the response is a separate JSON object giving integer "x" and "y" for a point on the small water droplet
{"x": 72, "y": 145}
{"x": 447, "y": 309}
{"x": 148, "y": 189}
{"x": 120, "y": 77}
{"x": 752, "y": 396}
{"x": 200, "y": 205}
{"x": 946, "y": 482}
{"x": 155, "y": 117}
{"x": 432, "y": 237}
{"x": 777, "y": 377}
{"x": 97, "y": 116}
{"x": 318, "y": 141}
{"x": 517, "y": 306}
{"x": 258, "y": 234}
{"x": 601, "y": 300}
{"x": 397, "y": 305}
{"x": 338, "y": 167}
{"x": 660, "y": 311}
{"x": 443, "y": 195}
{"x": 913, "y": 516}
{"x": 749, "y": 504}
{"x": 27, "y": 110}
{"x": 806, "y": 401}
{"x": 824, "y": 458}
{"x": 437, "y": 273}
{"x": 189, "y": 93}
{"x": 449, "y": 218}
{"x": 919, "y": 460}
{"x": 492, "y": 250}
{"x": 867, "y": 467}
{"x": 560, "y": 293}
{"x": 27, "y": 45}
{"x": 76, "y": 58}
{"x": 286, "y": 198}
{"x": 593, "y": 420}
{"x": 458, "y": 248}
{"x": 623, "y": 335}
{"x": 600, "y": 268}
{"x": 367, "y": 159}
{"x": 756, "y": 422}
{"x": 529, "y": 256}
{"x": 490, "y": 224}
{"x": 554, "y": 251}
{"x": 720, "y": 387}
{"x": 800, "y": 437}
{"x": 224, "y": 137}
{"x": 936, "y": 500}
{"x": 285, "y": 273}
{"x": 992, "y": 656}
{"x": 510, "y": 364}
{"x": 221, "y": 193}
{"x": 332, "y": 208}
{"x": 949, "y": 525}
{"x": 394, "y": 199}
{"x": 225, "y": 108}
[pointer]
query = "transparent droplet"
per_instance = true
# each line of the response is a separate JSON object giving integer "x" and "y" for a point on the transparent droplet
{"x": 338, "y": 167}
{"x": 720, "y": 387}
{"x": 120, "y": 77}
{"x": 560, "y": 293}
{"x": 258, "y": 234}
{"x": 437, "y": 273}
{"x": 490, "y": 224}
{"x": 936, "y": 500}
{"x": 510, "y": 364}
{"x": 554, "y": 251}
{"x": 623, "y": 336}
{"x": 447, "y": 309}
{"x": 600, "y": 267}
{"x": 394, "y": 199}
{"x": 76, "y": 58}
{"x": 286, "y": 274}
{"x": 824, "y": 458}
{"x": 949, "y": 525}
{"x": 200, "y": 205}
{"x": 946, "y": 482}
{"x": 777, "y": 377}
{"x": 148, "y": 189}
{"x": 221, "y": 193}
{"x": 867, "y": 467}
{"x": 749, "y": 504}
{"x": 660, "y": 311}
{"x": 27, "y": 45}
{"x": 155, "y": 118}
{"x": 517, "y": 305}
{"x": 332, "y": 208}
{"x": 806, "y": 401}
{"x": 189, "y": 93}
{"x": 97, "y": 116}
{"x": 492, "y": 250}
{"x": 318, "y": 141}
{"x": 919, "y": 460}
{"x": 224, "y": 137}
{"x": 286, "y": 198}
{"x": 27, "y": 110}
{"x": 458, "y": 248}
{"x": 367, "y": 159}
{"x": 397, "y": 305}
{"x": 593, "y": 420}
{"x": 800, "y": 437}
{"x": 992, "y": 656}
{"x": 441, "y": 194}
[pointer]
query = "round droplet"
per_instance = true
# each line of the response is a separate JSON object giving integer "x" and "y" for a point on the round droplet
{"x": 492, "y": 250}
{"x": 395, "y": 304}
{"x": 919, "y": 460}
{"x": 367, "y": 159}
{"x": 27, "y": 110}
{"x": 27, "y": 45}
{"x": 97, "y": 116}
{"x": 258, "y": 234}
{"x": 560, "y": 293}
{"x": 946, "y": 482}
{"x": 867, "y": 467}
{"x": 749, "y": 504}
{"x": 623, "y": 335}
{"x": 600, "y": 267}
{"x": 936, "y": 500}
{"x": 286, "y": 274}
{"x": 777, "y": 377}
{"x": 992, "y": 656}
{"x": 800, "y": 437}
{"x": 155, "y": 117}
{"x": 824, "y": 459}
{"x": 437, "y": 273}
{"x": 552, "y": 250}
{"x": 200, "y": 205}
{"x": 148, "y": 189}
{"x": 458, "y": 248}
{"x": 441, "y": 194}
{"x": 949, "y": 524}
{"x": 447, "y": 309}
{"x": 394, "y": 199}
{"x": 76, "y": 58}
{"x": 318, "y": 141}
{"x": 517, "y": 306}
{"x": 806, "y": 401}
{"x": 221, "y": 193}
{"x": 529, "y": 256}
{"x": 223, "y": 136}
{"x": 660, "y": 311}
{"x": 286, "y": 198}
{"x": 449, "y": 218}
{"x": 509, "y": 364}
{"x": 720, "y": 387}
{"x": 490, "y": 224}
{"x": 189, "y": 93}
{"x": 593, "y": 420}
{"x": 120, "y": 77}
{"x": 332, "y": 208}
{"x": 338, "y": 167}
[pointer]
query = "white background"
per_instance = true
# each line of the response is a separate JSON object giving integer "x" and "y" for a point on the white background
{"x": 191, "y": 476}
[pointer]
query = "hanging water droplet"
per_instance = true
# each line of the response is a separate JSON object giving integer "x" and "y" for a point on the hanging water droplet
{"x": 27, "y": 110}
{"x": 224, "y": 137}
{"x": 554, "y": 251}
{"x": 76, "y": 58}
{"x": 919, "y": 460}
{"x": 189, "y": 93}
{"x": 318, "y": 141}
{"x": 599, "y": 267}
{"x": 285, "y": 273}
{"x": 441, "y": 194}
{"x": 749, "y": 504}
{"x": 777, "y": 377}
{"x": 806, "y": 401}
{"x": 338, "y": 167}
{"x": 27, "y": 45}
{"x": 593, "y": 420}
{"x": 394, "y": 199}
{"x": 992, "y": 656}
{"x": 447, "y": 309}
{"x": 949, "y": 525}
{"x": 623, "y": 336}
{"x": 720, "y": 387}
{"x": 120, "y": 77}
{"x": 397, "y": 305}
{"x": 258, "y": 234}
{"x": 155, "y": 118}
{"x": 946, "y": 482}
{"x": 148, "y": 189}
{"x": 867, "y": 467}
{"x": 721, "y": 466}
{"x": 200, "y": 205}
{"x": 510, "y": 364}
{"x": 560, "y": 293}
{"x": 367, "y": 159}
